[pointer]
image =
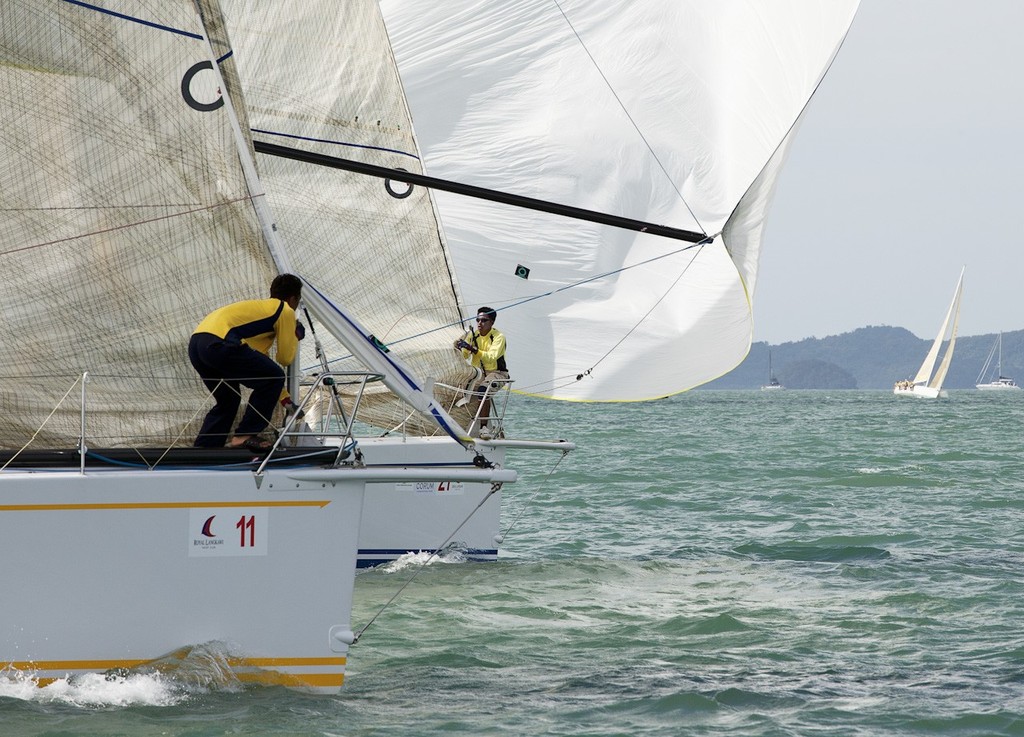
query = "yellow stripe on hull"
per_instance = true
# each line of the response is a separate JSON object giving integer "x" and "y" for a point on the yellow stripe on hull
{"x": 260, "y": 671}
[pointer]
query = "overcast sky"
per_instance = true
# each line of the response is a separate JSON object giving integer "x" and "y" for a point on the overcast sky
{"x": 907, "y": 166}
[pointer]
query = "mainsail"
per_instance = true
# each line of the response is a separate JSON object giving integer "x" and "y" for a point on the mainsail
{"x": 677, "y": 112}
{"x": 127, "y": 216}
{"x": 947, "y": 332}
{"x": 124, "y": 219}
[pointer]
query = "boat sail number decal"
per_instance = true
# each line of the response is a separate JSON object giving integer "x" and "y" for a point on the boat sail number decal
{"x": 434, "y": 487}
{"x": 231, "y": 531}
{"x": 210, "y": 89}
{"x": 398, "y": 190}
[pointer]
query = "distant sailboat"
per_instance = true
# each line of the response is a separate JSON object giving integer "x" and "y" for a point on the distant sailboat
{"x": 999, "y": 382}
{"x": 773, "y": 383}
{"x": 925, "y": 384}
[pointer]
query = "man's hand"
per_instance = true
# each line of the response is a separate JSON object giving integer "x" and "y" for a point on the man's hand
{"x": 290, "y": 407}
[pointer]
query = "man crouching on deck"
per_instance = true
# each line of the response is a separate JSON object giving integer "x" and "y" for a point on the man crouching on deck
{"x": 230, "y": 349}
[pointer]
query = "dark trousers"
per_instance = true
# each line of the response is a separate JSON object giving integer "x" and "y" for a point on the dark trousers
{"x": 225, "y": 367}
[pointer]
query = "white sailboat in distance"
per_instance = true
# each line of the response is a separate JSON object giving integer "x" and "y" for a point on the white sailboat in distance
{"x": 998, "y": 382}
{"x": 926, "y": 384}
{"x": 773, "y": 383}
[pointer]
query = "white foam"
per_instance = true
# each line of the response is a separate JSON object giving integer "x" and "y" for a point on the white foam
{"x": 94, "y": 689}
{"x": 415, "y": 560}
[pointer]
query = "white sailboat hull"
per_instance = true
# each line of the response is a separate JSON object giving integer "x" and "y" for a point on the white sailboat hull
{"x": 999, "y": 386}
{"x": 998, "y": 381}
{"x": 404, "y": 517}
{"x": 114, "y": 569}
{"x": 921, "y": 392}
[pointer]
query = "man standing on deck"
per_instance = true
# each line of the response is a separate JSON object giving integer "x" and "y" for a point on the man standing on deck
{"x": 487, "y": 353}
{"x": 230, "y": 348}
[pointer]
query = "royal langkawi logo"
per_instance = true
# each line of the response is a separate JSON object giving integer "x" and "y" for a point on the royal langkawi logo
{"x": 228, "y": 531}
{"x": 209, "y": 537}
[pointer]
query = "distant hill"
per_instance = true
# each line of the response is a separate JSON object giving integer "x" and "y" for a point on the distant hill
{"x": 868, "y": 358}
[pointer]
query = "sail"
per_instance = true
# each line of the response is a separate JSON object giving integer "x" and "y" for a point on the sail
{"x": 954, "y": 315}
{"x": 125, "y": 218}
{"x": 924, "y": 374}
{"x": 320, "y": 76}
{"x": 676, "y": 112}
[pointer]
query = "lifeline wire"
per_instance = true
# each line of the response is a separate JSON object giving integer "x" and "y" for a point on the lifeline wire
{"x": 42, "y": 425}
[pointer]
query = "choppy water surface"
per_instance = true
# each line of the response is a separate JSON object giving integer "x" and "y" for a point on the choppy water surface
{"x": 741, "y": 563}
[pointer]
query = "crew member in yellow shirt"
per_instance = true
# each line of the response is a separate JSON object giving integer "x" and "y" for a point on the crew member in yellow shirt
{"x": 230, "y": 348}
{"x": 486, "y": 351}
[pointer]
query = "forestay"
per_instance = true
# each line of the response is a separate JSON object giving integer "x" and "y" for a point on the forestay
{"x": 677, "y": 112}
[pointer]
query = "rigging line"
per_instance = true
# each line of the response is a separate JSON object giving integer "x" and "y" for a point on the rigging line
{"x": 532, "y": 498}
{"x": 640, "y": 321}
{"x": 41, "y": 425}
{"x": 147, "y": 221}
{"x": 622, "y": 106}
{"x": 177, "y": 437}
{"x": 707, "y": 240}
{"x": 494, "y": 487}
{"x": 619, "y": 342}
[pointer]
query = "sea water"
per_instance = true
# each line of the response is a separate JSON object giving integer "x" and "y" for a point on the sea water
{"x": 717, "y": 563}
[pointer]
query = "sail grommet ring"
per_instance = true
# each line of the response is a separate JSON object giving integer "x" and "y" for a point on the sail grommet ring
{"x": 403, "y": 190}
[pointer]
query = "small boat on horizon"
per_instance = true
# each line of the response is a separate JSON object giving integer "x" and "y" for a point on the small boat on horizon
{"x": 998, "y": 382}
{"x": 773, "y": 383}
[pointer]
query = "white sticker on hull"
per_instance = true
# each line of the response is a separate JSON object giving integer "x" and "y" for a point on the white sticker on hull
{"x": 432, "y": 487}
{"x": 223, "y": 531}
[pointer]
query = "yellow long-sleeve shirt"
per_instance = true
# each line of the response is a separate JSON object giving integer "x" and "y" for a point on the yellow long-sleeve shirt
{"x": 257, "y": 323}
{"x": 491, "y": 348}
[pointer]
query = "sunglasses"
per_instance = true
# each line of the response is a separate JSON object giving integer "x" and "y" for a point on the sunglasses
{"x": 483, "y": 319}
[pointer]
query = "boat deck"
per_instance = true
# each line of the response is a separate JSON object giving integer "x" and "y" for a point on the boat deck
{"x": 165, "y": 458}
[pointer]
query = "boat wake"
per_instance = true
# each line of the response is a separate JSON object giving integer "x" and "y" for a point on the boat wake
{"x": 169, "y": 681}
{"x": 415, "y": 560}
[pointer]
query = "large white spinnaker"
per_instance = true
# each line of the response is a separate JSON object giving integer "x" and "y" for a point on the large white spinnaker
{"x": 677, "y": 112}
